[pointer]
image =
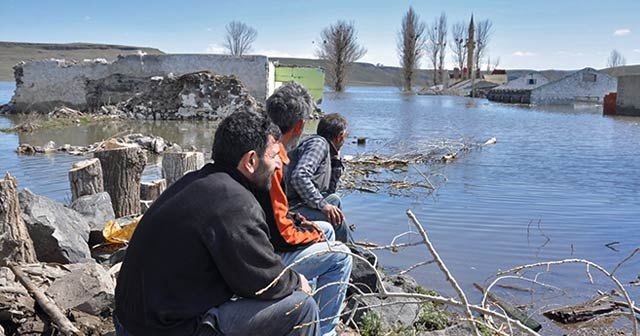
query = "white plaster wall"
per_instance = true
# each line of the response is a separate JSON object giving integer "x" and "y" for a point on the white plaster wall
{"x": 51, "y": 82}
{"x": 566, "y": 90}
{"x": 628, "y": 97}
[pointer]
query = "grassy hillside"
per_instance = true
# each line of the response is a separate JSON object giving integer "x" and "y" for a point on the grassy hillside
{"x": 14, "y": 52}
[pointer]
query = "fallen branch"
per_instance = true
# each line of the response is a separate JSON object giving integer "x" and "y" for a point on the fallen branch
{"x": 47, "y": 304}
{"x": 444, "y": 269}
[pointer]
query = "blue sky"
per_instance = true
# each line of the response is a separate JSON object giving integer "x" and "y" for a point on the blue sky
{"x": 558, "y": 34}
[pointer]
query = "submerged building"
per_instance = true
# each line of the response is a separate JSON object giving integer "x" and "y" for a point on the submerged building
{"x": 628, "y": 95}
{"x": 586, "y": 85}
{"x": 44, "y": 85}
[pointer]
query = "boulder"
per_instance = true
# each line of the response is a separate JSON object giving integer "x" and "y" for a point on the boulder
{"x": 97, "y": 210}
{"x": 59, "y": 234}
{"x": 391, "y": 315}
{"x": 88, "y": 288}
{"x": 362, "y": 275}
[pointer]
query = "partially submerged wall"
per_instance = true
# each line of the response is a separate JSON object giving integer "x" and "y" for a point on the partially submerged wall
{"x": 586, "y": 85}
{"x": 42, "y": 85}
{"x": 628, "y": 99}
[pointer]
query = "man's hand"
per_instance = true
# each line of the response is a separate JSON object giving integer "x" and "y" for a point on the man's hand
{"x": 333, "y": 213}
{"x": 304, "y": 285}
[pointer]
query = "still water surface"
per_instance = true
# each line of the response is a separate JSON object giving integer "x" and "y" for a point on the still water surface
{"x": 560, "y": 183}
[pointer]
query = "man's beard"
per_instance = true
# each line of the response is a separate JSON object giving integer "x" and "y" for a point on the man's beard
{"x": 262, "y": 177}
{"x": 293, "y": 143}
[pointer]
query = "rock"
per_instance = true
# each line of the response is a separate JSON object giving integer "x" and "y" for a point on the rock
{"x": 391, "y": 315}
{"x": 199, "y": 95}
{"x": 97, "y": 210}
{"x": 405, "y": 282}
{"x": 88, "y": 288}
{"x": 26, "y": 149}
{"x": 362, "y": 275}
{"x": 59, "y": 234}
{"x": 454, "y": 330}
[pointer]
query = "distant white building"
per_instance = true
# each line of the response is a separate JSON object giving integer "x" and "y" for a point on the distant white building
{"x": 586, "y": 85}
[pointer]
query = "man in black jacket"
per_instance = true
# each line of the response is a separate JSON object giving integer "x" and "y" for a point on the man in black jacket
{"x": 200, "y": 261}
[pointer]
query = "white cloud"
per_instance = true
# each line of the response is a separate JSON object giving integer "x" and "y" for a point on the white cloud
{"x": 636, "y": 50}
{"x": 523, "y": 53}
{"x": 622, "y": 32}
{"x": 570, "y": 53}
{"x": 215, "y": 49}
{"x": 209, "y": 29}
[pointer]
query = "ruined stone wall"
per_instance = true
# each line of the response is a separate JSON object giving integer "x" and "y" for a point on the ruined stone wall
{"x": 588, "y": 85}
{"x": 628, "y": 99}
{"x": 42, "y": 85}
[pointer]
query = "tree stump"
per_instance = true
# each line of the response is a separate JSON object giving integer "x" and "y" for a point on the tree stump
{"x": 16, "y": 244}
{"x": 174, "y": 165}
{"x": 122, "y": 170}
{"x": 85, "y": 178}
{"x": 150, "y": 191}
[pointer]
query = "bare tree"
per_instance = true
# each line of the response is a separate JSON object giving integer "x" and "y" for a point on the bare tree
{"x": 431, "y": 48}
{"x": 458, "y": 45}
{"x": 436, "y": 45}
{"x": 442, "y": 44}
{"x": 339, "y": 49}
{"x": 239, "y": 38}
{"x": 483, "y": 34}
{"x": 616, "y": 59}
{"x": 411, "y": 42}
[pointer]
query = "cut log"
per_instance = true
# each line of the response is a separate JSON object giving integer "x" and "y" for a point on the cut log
{"x": 150, "y": 191}
{"x": 512, "y": 311}
{"x": 85, "y": 178}
{"x": 47, "y": 304}
{"x": 174, "y": 165}
{"x": 122, "y": 170}
{"x": 16, "y": 244}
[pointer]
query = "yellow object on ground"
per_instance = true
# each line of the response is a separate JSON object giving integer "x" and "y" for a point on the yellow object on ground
{"x": 114, "y": 233}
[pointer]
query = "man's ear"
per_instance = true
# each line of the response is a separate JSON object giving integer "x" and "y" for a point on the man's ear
{"x": 248, "y": 162}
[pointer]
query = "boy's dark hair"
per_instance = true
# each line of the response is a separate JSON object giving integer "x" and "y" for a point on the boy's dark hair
{"x": 331, "y": 125}
{"x": 288, "y": 104}
{"x": 239, "y": 133}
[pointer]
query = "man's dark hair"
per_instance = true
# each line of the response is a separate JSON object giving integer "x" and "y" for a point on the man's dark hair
{"x": 289, "y": 104}
{"x": 331, "y": 125}
{"x": 239, "y": 133}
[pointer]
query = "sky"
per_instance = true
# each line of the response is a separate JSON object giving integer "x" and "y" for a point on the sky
{"x": 544, "y": 34}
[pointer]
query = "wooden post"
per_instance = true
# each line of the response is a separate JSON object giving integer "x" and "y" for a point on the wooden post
{"x": 150, "y": 191}
{"x": 85, "y": 178}
{"x": 122, "y": 170}
{"x": 16, "y": 244}
{"x": 174, "y": 165}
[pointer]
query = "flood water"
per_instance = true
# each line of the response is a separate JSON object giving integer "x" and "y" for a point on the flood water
{"x": 559, "y": 183}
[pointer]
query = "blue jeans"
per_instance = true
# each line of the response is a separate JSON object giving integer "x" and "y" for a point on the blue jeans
{"x": 256, "y": 317}
{"x": 343, "y": 233}
{"x": 325, "y": 269}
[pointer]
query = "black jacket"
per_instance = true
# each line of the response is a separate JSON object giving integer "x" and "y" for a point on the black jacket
{"x": 204, "y": 240}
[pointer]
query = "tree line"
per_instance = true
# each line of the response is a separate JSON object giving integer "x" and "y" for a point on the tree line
{"x": 338, "y": 46}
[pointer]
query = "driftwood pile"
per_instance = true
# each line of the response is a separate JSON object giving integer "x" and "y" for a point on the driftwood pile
{"x": 400, "y": 173}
